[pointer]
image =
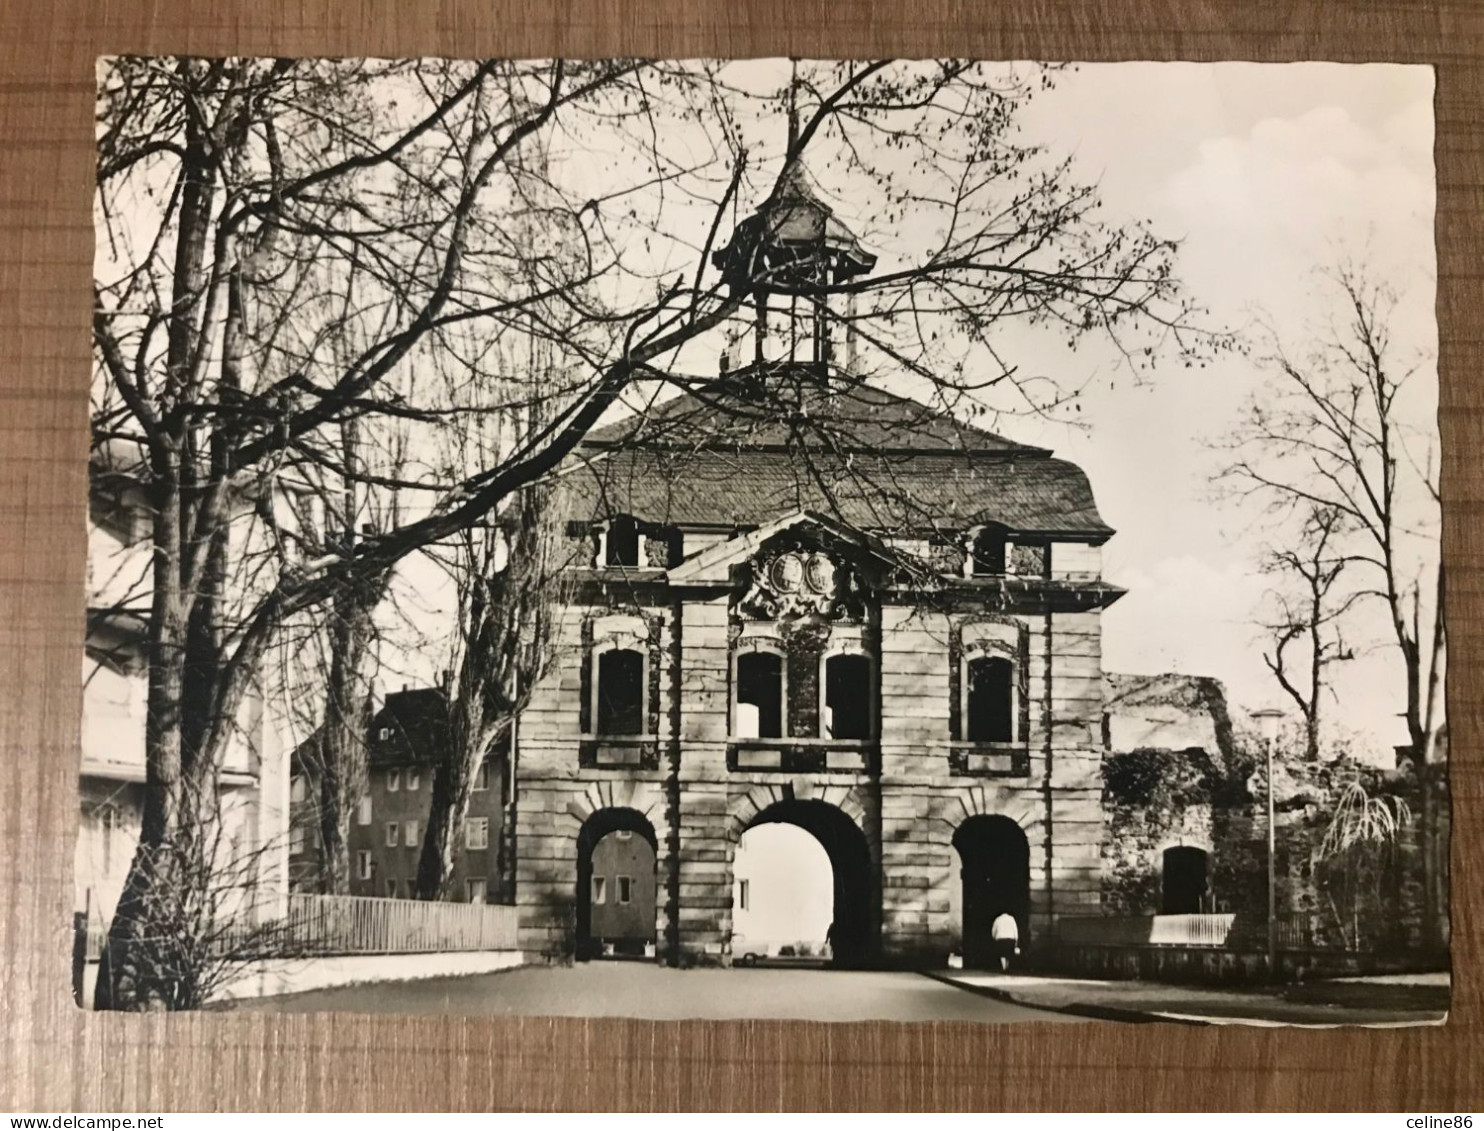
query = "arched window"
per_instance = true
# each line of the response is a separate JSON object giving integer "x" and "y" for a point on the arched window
{"x": 847, "y": 697}
{"x": 620, "y": 692}
{"x": 990, "y": 700}
{"x": 987, "y": 553}
{"x": 759, "y": 708}
{"x": 1185, "y": 879}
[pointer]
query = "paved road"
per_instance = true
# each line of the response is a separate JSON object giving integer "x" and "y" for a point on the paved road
{"x": 628, "y": 989}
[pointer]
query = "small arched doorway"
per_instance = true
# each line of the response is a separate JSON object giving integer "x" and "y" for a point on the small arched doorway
{"x": 853, "y": 925}
{"x": 994, "y": 868}
{"x": 1184, "y": 881}
{"x": 616, "y": 889}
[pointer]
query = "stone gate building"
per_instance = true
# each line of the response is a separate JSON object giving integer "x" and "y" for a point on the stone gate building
{"x": 801, "y": 598}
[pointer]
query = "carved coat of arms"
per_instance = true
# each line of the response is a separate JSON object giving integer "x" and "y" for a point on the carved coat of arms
{"x": 797, "y": 582}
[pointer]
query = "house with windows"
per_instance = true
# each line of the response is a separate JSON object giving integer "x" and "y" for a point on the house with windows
{"x": 387, "y": 828}
{"x": 803, "y": 597}
{"x": 253, "y": 778}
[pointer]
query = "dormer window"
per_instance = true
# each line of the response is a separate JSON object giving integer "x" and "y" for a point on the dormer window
{"x": 621, "y": 543}
{"x": 987, "y": 552}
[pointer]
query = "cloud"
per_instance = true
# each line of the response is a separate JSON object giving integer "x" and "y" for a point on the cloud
{"x": 1264, "y": 207}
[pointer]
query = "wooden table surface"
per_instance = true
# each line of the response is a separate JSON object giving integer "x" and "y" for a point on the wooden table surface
{"x": 56, "y": 1058}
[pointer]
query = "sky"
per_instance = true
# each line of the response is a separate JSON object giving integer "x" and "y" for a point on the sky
{"x": 1267, "y": 172}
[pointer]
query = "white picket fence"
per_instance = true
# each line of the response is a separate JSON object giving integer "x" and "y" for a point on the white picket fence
{"x": 352, "y": 924}
{"x": 301, "y": 925}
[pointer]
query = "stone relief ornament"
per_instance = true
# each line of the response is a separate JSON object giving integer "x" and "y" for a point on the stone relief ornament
{"x": 796, "y": 582}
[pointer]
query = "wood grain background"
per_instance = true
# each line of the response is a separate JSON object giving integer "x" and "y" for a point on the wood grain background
{"x": 56, "y": 1058}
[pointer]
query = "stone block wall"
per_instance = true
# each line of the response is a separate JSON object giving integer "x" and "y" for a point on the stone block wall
{"x": 906, "y": 807}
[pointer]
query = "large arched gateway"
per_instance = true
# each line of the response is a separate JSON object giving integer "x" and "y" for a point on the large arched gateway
{"x": 854, "y": 911}
{"x": 796, "y": 596}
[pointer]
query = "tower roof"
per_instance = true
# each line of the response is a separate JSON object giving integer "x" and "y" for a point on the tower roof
{"x": 796, "y": 225}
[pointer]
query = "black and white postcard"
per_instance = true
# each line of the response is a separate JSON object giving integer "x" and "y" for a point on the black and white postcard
{"x": 909, "y": 540}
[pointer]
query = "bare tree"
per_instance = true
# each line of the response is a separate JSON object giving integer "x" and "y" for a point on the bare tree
{"x": 1331, "y": 435}
{"x": 1309, "y": 622}
{"x": 217, "y": 927}
{"x": 509, "y": 580}
{"x": 253, "y": 211}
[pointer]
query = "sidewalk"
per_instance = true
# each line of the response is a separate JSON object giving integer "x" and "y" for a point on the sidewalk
{"x": 1420, "y": 999}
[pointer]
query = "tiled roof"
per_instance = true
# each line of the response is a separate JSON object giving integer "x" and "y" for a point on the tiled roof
{"x": 1033, "y": 494}
{"x": 751, "y": 447}
{"x": 857, "y": 418}
{"x": 415, "y": 720}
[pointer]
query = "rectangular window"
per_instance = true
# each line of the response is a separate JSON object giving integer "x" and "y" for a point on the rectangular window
{"x": 759, "y": 712}
{"x": 477, "y": 889}
{"x": 391, "y": 889}
{"x": 298, "y": 789}
{"x": 621, "y": 546}
{"x": 392, "y": 834}
{"x": 296, "y": 839}
{"x": 414, "y": 780}
{"x": 477, "y": 833}
{"x": 363, "y": 810}
{"x": 363, "y": 865}
{"x": 988, "y": 552}
{"x": 393, "y": 780}
{"x": 620, "y": 692}
{"x": 108, "y": 820}
{"x": 743, "y": 894}
{"x": 847, "y": 697}
{"x": 600, "y": 890}
{"x": 625, "y": 889}
{"x": 991, "y": 699}
{"x": 409, "y": 834}
{"x": 482, "y": 777}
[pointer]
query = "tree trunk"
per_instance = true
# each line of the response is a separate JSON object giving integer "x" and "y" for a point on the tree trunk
{"x": 466, "y": 743}
{"x": 148, "y": 951}
{"x": 342, "y": 746}
{"x": 167, "y": 874}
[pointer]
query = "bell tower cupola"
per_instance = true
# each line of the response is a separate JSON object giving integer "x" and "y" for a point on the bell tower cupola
{"x": 787, "y": 257}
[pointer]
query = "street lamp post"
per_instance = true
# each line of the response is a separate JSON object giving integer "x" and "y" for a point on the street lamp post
{"x": 1268, "y": 719}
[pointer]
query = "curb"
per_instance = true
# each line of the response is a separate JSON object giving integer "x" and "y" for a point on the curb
{"x": 1092, "y": 1012}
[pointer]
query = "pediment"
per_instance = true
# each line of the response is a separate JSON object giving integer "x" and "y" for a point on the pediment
{"x": 816, "y": 545}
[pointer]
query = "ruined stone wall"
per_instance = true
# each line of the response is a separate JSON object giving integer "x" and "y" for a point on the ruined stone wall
{"x": 1375, "y": 898}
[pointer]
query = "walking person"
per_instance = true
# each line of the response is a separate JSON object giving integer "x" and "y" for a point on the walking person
{"x": 1004, "y": 932}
